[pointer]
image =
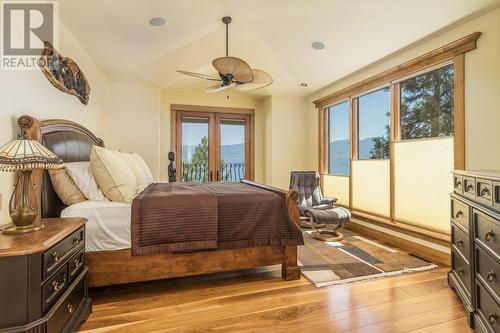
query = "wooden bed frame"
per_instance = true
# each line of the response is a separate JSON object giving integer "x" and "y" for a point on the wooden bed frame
{"x": 117, "y": 267}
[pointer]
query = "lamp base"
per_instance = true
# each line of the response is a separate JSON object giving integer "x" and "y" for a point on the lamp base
{"x": 12, "y": 229}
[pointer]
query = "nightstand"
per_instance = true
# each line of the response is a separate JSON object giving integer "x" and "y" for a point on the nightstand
{"x": 43, "y": 278}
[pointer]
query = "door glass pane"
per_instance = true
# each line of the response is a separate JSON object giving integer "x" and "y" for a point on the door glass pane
{"x": 338, "y": 139}
{"x": 232, "y": 150}
{"x": 195, "y": 150}
{"x": 426, "y": 104}
{"x": 373, "y": 125}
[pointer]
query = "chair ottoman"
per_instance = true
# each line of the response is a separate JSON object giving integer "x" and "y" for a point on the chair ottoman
{"x": 336, "y": 217}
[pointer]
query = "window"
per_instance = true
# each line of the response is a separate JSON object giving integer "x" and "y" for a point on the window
{"x": 338, "y": 139}
{"x": 426, "y": 104}
{"x": 373, "y": 125}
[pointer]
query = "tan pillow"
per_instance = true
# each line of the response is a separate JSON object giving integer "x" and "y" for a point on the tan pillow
{"x": 144, "y": 167}
{"x": 136, "y": 168}
{"x": 65, "y": 188}
{"x": 114, "y": 177}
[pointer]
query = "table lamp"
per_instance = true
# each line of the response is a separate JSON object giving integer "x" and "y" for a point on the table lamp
{"x": 23, "y": 155}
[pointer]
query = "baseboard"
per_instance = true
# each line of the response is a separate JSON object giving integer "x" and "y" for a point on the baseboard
{"x": 434, "y": 252}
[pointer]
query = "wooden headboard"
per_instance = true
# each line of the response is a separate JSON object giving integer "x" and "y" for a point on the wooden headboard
{"x": 71, "y": 142}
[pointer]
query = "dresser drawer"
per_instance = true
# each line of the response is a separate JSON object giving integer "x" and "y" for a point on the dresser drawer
{"x": 54, "y": 287}
{"x": 58, "y": 254}
{"x": 496, "y": 195}
{"x": 484, "y": 191}
{"x": 460, "y": 213}
{"x": 461, "y": 270}
{"x": 458, "y": 182}
{"x": 488, "y": 270}
{"x": 487, "y": 232}
{"x": 469, "y": 186}
{"x": 67, "y": 307}
{"x": 488, "y": 309}
{"x": 76, "y": 263}
{"x": 460, "y": 241}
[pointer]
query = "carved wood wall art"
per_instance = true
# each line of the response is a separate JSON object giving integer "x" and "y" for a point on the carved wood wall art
{"x": 64, "y": 73}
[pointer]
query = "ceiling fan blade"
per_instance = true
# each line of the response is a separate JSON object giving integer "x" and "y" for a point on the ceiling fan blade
{"x": 261, "y": 80}
{"x": 219, "y": 87}
{"x": 199, "y": 75}
{"x": 238, "y": 68}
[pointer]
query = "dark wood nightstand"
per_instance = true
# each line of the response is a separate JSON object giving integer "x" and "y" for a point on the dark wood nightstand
{"x": 43, "y": 278}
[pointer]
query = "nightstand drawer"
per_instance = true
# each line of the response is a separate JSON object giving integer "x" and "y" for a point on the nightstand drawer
{"x": 461, "y": 270}
{"x": 469, "y": 186}
{"x": 461, "y": 241}
{"x": 67, "y": 307}
{"x": 54, "y": 287}
{"x": 57, "y": 255}
{"x": 487, "y": 233}
{"x": 488, "y": 309}
{"x": 76, "y": 263}
{"x": 484, "y": 191}
{"x": 460, "y": 213}
{"x": 488, "y": 270}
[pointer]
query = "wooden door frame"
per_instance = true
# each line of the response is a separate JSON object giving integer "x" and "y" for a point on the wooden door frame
{"x": 179, "y": 110}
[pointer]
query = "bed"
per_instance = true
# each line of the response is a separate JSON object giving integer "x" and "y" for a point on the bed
{"x": 109, "y": 256}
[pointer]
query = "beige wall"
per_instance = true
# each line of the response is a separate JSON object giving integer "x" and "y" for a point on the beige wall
{"x": 482, "y": 100}
{"x": 197, "y": 96}
{"x": 132, "y": 121}
{"x": 29, "y": 92}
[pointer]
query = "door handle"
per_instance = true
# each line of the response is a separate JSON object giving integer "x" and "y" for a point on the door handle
{"x": 218, "y": 175}
{"x": 211, "y": 177}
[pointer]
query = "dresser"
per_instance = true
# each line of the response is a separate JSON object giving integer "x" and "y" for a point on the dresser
{"x": 43, "y": 278}
{"x": 475, "y": 246}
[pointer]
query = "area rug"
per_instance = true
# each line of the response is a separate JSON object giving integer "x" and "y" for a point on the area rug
{"x": 355, "y": 258}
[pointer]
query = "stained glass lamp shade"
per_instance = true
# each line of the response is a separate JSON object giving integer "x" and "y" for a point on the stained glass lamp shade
{"x": 23, "y": 155}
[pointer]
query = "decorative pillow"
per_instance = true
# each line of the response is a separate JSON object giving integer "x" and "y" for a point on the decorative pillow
{"x": 115, "y": 178}
{"x": 82, "y": 176}
{"x": 133, "y": 164}
{"x": 65, "y": 188}
{"x": 144, "y": 167}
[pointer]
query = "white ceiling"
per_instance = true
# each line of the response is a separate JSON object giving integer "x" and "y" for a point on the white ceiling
{"x": 274, "y": 35}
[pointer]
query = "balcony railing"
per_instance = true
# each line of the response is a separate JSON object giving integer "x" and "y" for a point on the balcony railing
{"x": 199, "y": 172}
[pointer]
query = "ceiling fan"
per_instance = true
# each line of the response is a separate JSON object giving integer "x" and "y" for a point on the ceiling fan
{"x": 233, "y": 72}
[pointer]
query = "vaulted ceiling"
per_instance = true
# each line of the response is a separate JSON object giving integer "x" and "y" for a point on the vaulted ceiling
{"x": 274, "y": 35}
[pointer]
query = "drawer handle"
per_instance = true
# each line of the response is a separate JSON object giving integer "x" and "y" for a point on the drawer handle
{"x": 484, "y": 191}
{"x": 78, "y": 263}
{"x": 56, "y": 256}
{"x": 458, "y": 184}
{"x": 469, "y": 188}
{"x": 56, "y": 285}
{"x": 458, "y": 214}
{"x": 460, "y": 243}
{"x": 460, "y": 271}
{"x": 71, "y": 308}
{"x": 76, "y": 240}
{"x": 491, "y": 276}
{"x": 489, "y": 235}
{"x": 492, "y": 318}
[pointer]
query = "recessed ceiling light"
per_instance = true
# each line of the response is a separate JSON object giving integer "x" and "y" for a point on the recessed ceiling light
{"x": 157, "y": 21}
{"x": 318, "y": 46}
{"x": 303, "y": 84}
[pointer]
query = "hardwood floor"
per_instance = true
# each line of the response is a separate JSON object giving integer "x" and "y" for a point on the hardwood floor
{"x": 261, "y": 302}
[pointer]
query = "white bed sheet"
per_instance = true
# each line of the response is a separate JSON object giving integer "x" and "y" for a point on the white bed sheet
{"x": 108, "y": 226}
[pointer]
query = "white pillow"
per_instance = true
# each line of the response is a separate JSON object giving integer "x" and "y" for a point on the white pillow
{"x": 82, "y": 176}
{"x": 113, "y": 175}
{"x": 133, "y": 164}
{"x": 145, "y": 168}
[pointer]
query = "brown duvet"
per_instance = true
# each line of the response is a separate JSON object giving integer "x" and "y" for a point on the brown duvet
{"x": 177, "y": 217}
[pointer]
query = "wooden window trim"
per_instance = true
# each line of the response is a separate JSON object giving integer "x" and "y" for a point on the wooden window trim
{"x": 454, "y": 53}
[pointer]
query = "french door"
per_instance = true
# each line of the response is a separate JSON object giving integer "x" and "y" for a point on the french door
{"x": 213, "y": 146}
